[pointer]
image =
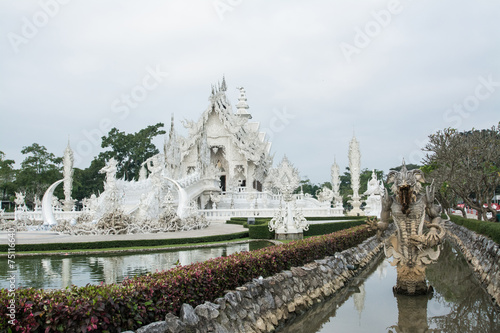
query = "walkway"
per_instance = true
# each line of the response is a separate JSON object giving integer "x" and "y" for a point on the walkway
{"x": 45, "y": 237}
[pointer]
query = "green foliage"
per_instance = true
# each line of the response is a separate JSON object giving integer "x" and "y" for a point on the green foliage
{"x": 88, "y": 181}
{"x": 139, "y": 301}
{"x": 260, "y": 231}
{"x": 326, "y": 228}
{"x": 307, "y": 187}
{"x": 261, "y": 228}
{"x": 243, "y": 220}
{"x": 7, "y": 174}
{"x": 130, "y": 150}
{"x": 38, "y": 171}
{"x": 487, "y": 228}
{"x": 122, "y": 243}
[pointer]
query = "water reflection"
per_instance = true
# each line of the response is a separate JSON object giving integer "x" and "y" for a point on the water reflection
{"x": 61, "y": 271}
{"x": 458, "y": 303}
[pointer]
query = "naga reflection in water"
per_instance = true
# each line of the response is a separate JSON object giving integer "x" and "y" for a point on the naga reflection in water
{"x": 367, "y": 304}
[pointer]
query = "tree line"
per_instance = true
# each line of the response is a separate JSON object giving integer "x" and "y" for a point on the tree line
{"x": 40, "y": 168}
{"x": 464, "y": 166}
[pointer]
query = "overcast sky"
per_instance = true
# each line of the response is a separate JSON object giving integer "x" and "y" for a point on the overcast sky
{"x": 393, "y": 72}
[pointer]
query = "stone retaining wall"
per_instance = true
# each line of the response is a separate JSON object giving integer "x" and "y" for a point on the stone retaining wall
{"x": 483, "y": 256}
{"x": 264, "y": 303}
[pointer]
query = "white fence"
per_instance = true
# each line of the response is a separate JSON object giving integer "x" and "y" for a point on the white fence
{"x": 222, "y": 215}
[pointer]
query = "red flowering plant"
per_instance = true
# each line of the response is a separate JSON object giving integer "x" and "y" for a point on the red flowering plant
{"x": 142, "y": 300}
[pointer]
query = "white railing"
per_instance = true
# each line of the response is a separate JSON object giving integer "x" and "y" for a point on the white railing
{"x": 37, "y": 215}
{"x": 226, "y": 214}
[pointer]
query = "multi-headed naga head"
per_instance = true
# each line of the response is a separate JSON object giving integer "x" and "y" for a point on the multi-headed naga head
{"x": 406, "y": 186}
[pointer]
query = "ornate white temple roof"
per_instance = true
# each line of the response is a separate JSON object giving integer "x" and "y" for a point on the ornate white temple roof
{"x": 244, "y": 134}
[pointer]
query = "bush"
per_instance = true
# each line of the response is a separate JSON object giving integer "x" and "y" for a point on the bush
{"x": 326, "y": 228}
{"x": 243, "y": 220}
{"x": 123, "y": 243}
{"x": 139, "y": 301}
{"x": 260, "y": 231}
{"x": 487, "y": 228}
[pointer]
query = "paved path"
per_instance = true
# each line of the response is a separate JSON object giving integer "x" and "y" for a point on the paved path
{"x": 40, "y": 237}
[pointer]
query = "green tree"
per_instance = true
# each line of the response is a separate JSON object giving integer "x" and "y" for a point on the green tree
{"x": 38, "y": 171}
{"x": 467, "y": 164}
{"x": 130, "y": 150}
{"x": 88, "y": 181}
{"x": 307, "y": 187}
{"x": 7, "y": 174}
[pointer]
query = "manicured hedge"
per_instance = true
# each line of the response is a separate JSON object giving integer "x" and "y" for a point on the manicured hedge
{"x": 142, "y": 300}
{"x": 123, "y": 243}
{"x": 326, "y": 228}
{"x": 487, "y": 228}
{"x": 335, "y": 218}
{"x": 262, "y": 231}
{"x": 243, "y": 220}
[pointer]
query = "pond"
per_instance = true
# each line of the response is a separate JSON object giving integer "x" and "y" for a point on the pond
{"x": 60, "y": 271}
{"x": 458, "y": 303}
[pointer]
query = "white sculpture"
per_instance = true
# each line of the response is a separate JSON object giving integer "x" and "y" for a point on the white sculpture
{"x": 287, "y": 223}
{"x": 374, "y": 201}
{"x": 325, "y": 195}
{"x": 68, "y": 160}
{"x": 19, "y": 201}
{"x": 355, "y": 168}
{"x": 215, "y": 198}
{"x": 38, "y": 203}
{"x": 48, "y": 215}
{"x": 338, "y": 209}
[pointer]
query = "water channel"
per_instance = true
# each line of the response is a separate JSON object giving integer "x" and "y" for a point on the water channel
{"x": 458, "y": 303}
{"x": 367, "y": 304}
{"x": 60, "y": 271}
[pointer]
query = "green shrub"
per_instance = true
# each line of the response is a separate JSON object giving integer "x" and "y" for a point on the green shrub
{"x": 139, "y": 301}
{"x": 260, "y": 231}
{"x": 335, "y": 218}
{"x": 122, "y": 243}
{"x": 326, "y": 228}
{"x": 487, "y": 228}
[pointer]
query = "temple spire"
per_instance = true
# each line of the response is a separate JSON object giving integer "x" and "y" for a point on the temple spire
{"x": 223, "y": 86}
{"x": 242, "y": 106}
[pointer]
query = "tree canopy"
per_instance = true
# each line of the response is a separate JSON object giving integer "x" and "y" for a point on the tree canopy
{"x": 465, "y": 165}
{"x": 6, "y": 176}
{"x": 130, "y": 150}
{"x": 38, "y": 170}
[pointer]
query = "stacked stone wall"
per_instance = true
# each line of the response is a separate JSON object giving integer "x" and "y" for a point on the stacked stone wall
{"x": 483, "y": 256}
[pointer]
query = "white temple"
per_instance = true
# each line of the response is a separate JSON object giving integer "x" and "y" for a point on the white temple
{"x": 222, "y": 169}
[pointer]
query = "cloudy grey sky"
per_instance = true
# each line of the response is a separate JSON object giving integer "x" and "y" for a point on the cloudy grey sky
{"x": 314, "y": 71}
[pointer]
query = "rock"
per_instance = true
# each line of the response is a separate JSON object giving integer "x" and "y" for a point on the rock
{"x": 188, "y": 315}
{"x": 219, "y": 328}
{"x": 260, "y": 324}
{"x": 174, "y": 324}
{"x": 207, "y": 311}
{"x": 156, "y": 327}
{"x": 231, "y": 298}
